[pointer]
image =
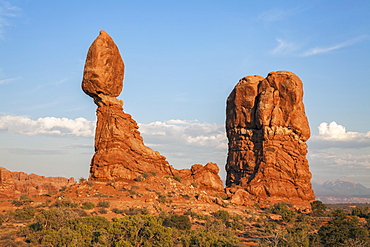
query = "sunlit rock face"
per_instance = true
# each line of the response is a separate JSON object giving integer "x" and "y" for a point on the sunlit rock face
{"x": 267, "y": 129}
{"x": 120, "y": 152}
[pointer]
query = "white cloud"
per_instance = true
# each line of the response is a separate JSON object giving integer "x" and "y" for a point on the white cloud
{"x": 335, "y": 135}
{"x": 9, "y": 80}
{"x": 284, "y": 47}
{"x": 47, "y": 126}
{"x": 319, "y": 50}
{"x": 336, "y": 132}
{"x": 185, "y": 133}
{"x": 7, "y": 11}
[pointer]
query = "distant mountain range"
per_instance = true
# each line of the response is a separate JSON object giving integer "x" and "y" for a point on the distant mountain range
{"x": 342, "y": 190}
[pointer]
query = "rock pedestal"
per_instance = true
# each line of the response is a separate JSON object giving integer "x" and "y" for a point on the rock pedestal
{"x": 120, "y": 152}
{"x": 267, "y": 129}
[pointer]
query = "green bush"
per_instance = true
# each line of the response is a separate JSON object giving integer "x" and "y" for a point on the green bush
{"x": 286, "y": 213}
{"x": 24, "y": 199}
{"x": 104, "y": 204}
{"x": 162, "y": 198}
{"x": 181, "y": 222}
{"x": 218, "y": 236}
{"x": 88, "y": 205}
{"x": 68, "y": 203}
{"x": 318, "y": 208}
{"x": 363, "y": 212}
{"x": 341, "y": 229}
{"x": 141, "y": 230}
{"x": 26, "y": 213}
{"x": 222, "y": 215}
{"x": 177, "y": 178}
{"x": 52, "y": 219}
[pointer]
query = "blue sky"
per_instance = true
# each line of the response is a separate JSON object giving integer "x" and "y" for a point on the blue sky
{"x": 182, "y": 59}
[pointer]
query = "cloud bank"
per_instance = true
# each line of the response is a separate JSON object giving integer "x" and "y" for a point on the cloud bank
{"x": 185, "y": 133}
{"x": 80, "y": 127}
{"x": 333, "y": 153}
{"x": 336, "y": 135}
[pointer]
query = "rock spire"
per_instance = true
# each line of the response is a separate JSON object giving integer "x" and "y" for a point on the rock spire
{"x": 120, "y": 152}
{"x": 267, "y": 129}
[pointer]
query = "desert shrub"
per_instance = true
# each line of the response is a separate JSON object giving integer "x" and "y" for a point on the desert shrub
{"x": 68, "y": 203}
{"x": 222, "y": 215}
{"x": 102, "y": 211}
{"x": 145, "y": 175}
{"x": 81, "y": 180}
{"x": 211, "y": 236}
{"x": 162, "y": 198}
{"x": 318, "y": 208}
{"x": 286, "y": 213}
{"x": 153, "y": 173}
{"x": 88, "y": 205}
{"x": 117, "y": 211}
{"x": 181, "y": 222}
{"x": 139, "y": 178}
{"x": 131, "y": 192}
{"x": 104, "y": 204}
{"x": 52, "y": 219}
{"x": 135, "y": 211}
{"x": 235, "y": 223}
{"x": 341, "y": 229}
{"x": 26, "y": 213}
{"x": 82, "y": 231}
{"x": 140, "y": 230}
{"x": 17, "y": 203}
{"x": 187, "y": 197}
{"x": 177, "y": 178}
{"x": 24, "y": 199}
{"x": 363, "y": 212}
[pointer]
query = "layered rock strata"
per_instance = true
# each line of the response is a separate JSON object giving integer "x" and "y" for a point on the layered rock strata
{"x": 13, "y": 184}
{"x": 119, "y": 149}
{"x": 267, "y": 129}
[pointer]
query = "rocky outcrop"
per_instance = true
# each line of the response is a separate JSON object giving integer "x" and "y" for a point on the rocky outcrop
{"x": 267, "y": 129}
{"x": 206, "y": 176}
{"x": 13, "y": 184}
{"x": 119, "y": 149}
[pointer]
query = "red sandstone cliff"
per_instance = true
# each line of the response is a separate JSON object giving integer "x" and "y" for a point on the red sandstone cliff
{"x": 13, "y": 184}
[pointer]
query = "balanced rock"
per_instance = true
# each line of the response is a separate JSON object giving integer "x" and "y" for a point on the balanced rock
{"x": 267, "y": 129}
{"x": 120, "y": 152}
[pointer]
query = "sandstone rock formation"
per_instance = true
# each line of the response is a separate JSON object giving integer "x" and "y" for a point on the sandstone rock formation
{"x": 206, "y": 176}
{"x": 267, "y": 130}
{"x": 13, "y": 184}
{"x": 119, "y": 149}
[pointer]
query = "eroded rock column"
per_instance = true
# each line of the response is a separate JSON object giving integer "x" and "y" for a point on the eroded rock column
{"x": 267, "y": 130}
{"x": 120, "y": 152}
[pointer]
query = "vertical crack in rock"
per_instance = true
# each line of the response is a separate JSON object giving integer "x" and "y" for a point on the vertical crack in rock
{"x": 120, "y": 152}
{"x": 267, "y": 129}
